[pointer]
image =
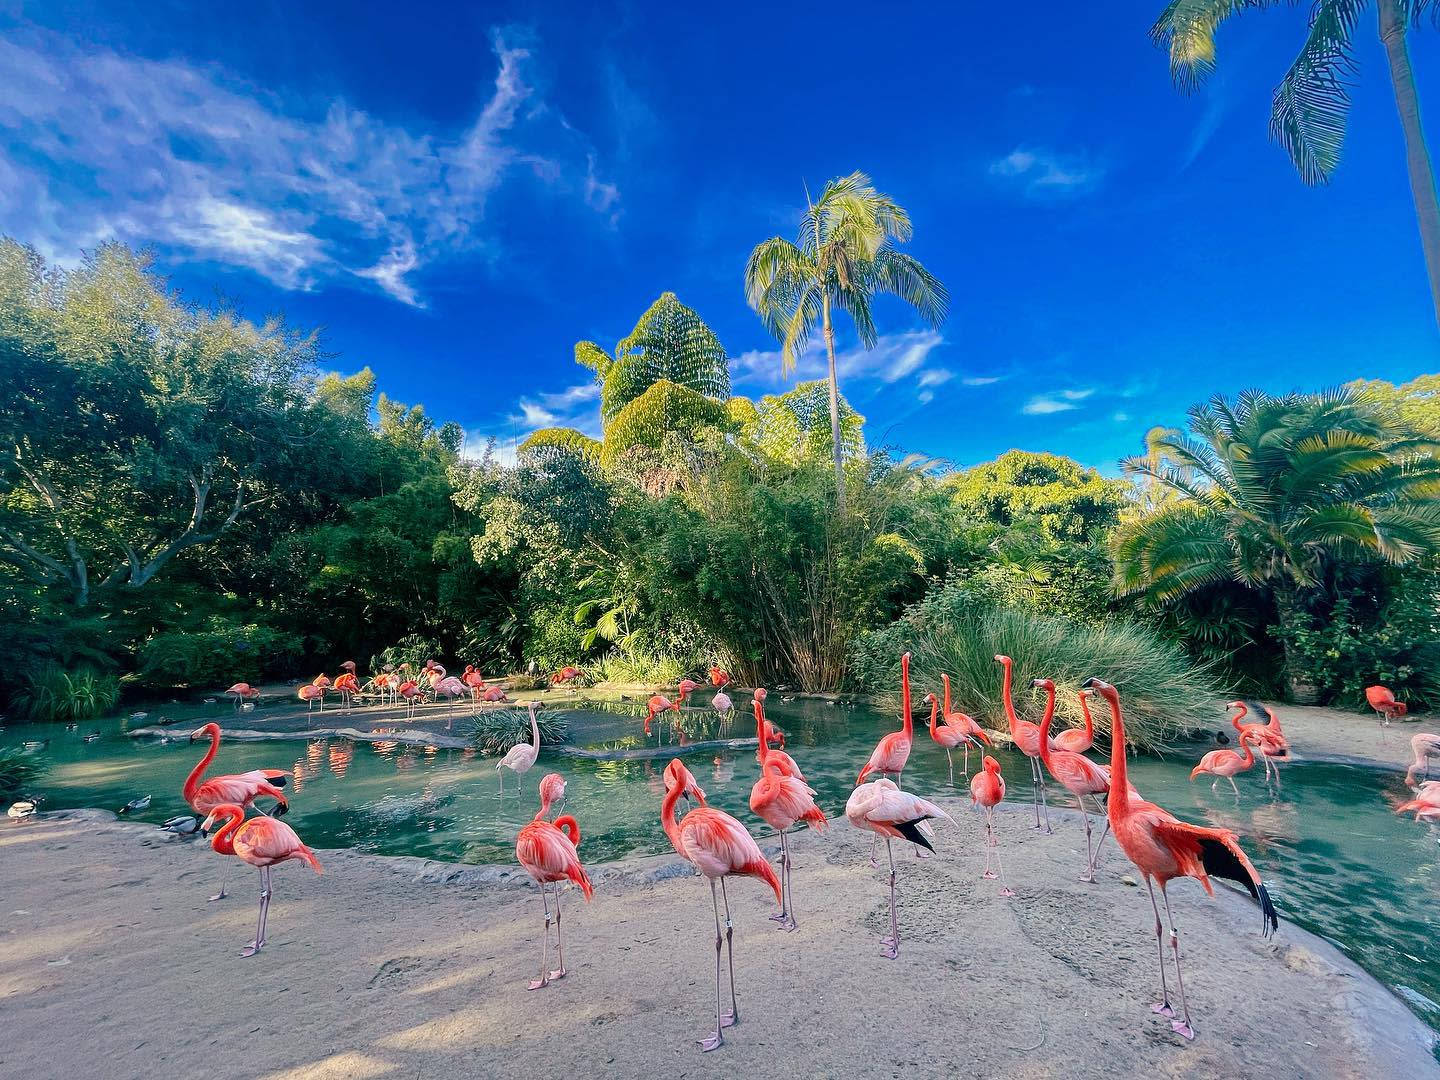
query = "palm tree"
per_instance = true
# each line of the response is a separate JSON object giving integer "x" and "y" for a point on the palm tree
{"x": 1271, "y": 492}
{"x": 842, "y": 258}
{"x": 1311, "y": 104}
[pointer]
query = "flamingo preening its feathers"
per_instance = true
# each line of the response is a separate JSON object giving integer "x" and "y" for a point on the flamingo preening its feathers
{"x": 958, "y": 729}
{"x": 547, "y": 851}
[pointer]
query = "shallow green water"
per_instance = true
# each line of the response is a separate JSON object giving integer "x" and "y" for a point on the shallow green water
{"x": 1339, "y": 861}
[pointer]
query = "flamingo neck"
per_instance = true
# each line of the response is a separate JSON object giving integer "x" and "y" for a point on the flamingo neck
{"x": 192, "y": 782}
{"x": 221, "y": 841}
{"x": 907, "y": 722}
{"x": 667, "y": 816}
{"x": 1045, "y": 724}
{"x": 1089, "y": 722}
{"x": 1247, "y": 747}
{"x": 570, "y": 827}
{"x": 946, "y": 680}
{"x": 760, "y": 734}
{"x": 934, "y": 709}
{"x": 534, "y": 730}
{"x": 1118, "y": 800}
{"x": 1239, "y": 716}
{"x": 1008, "y": 698}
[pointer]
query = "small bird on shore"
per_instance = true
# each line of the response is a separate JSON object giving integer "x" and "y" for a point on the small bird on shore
{"x": 23, "y": 809}
{"x": 182, "y": 826}
{"x": 547, "y": 851}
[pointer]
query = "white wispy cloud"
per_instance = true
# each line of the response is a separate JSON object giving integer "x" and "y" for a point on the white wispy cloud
{"x": 935, "y": 377}
{"x": 981, "y": 380}
{"x": 576, "y": 406}
{"x": 1044, "y": 173}
{"x": 97, "y": 145}
{"x": 895, "y": 357}
{"x": 1056, "y": 402}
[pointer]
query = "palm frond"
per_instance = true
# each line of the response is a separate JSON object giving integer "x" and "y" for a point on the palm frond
{"x": 1312, "y": 102}
{"x": 1186, "y": 30}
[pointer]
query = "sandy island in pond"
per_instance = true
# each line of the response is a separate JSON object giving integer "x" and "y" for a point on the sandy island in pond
{"x": 112, "y": 964}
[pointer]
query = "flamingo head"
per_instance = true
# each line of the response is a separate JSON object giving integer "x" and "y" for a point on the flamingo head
{"x": 761, "y": 693}
{"x": 1043, "y": 684}
{"x": 931, "y": 699}
{"x": 991, "y": 765}
{"x": 1086, "y": 692}
{"x": 1000, "y": 658}
{"x": 349, "y": 665}
{"x": 209, "y": 731}
{"x": 1101, "y": 687}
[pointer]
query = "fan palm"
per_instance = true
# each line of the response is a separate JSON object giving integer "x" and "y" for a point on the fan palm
{"x": 1270, "y": 490}
{"x": 1312, "y": 103}
{"x": 842, "y": 258}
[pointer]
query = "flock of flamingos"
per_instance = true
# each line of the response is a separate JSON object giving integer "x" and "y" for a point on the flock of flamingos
{"x": 720, "y": 847}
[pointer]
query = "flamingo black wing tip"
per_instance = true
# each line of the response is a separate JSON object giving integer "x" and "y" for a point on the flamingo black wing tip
{"x": 910, "y": 830}
{"x": 1269, "y": 917}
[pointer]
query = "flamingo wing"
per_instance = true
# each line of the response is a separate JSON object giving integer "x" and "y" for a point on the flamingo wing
{"x": 718, "y": 845}
{"x": 1203, "y": 853}
{"x": 547, "y": 854}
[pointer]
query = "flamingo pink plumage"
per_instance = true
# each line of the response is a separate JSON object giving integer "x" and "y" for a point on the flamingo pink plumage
{"x": 893, "y": 751}
{"x": 958, "y": 729}
{"x": 719, "y": 847}
{"x": 987, "y": 790}
{"x": 1426, "y": 803}
{"x": 658, "y": 704}
{"x": 242, "y": 789}
{"x": 883, "y": 809}
{"x": 1423, "y": 746}
{"x": 262, "y": 842}
{"x": 1077, "y": 774}
{"x": 1078, "y": 740}
{"x": 766, "y": 733}
{"x": 243, "y": 692}
{"x": 1269, "y": 739}
{"x": 547, "y": 851}
{"x": 781, "y": 800}
{"x": 1227, "y": 763}
{"x": 1027, "y": 739}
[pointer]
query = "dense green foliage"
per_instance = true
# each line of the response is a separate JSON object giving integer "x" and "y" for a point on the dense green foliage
{"x": 495, "y": 731}
{"x": 48, "y": 693}
{"x": 19, "y": 771}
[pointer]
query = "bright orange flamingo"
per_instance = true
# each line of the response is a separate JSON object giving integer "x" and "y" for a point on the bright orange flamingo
{"x": 1382, "y": 700}
{"x": 657, "y": 704}
{"x": 262, "y": 842}
{"x": 1226, "y": 763}
{"x": 987, "y": 790}
{"x": 1078, "y": 740}
{"x": 347, "y": 685}
{"x": 566, "y": 674}
{"x": 780, "y": 801}
{"x": 893, "y": 751}
{"x": 958, "y": 729}
{"x": 1424, "y": 746}
{"x": 239, "y": 788}
{"x": 1027, "y": 739}
{"x": 720, "y": 678}
{"x": 1274, "y": 747}
{"x": 243, "y": 692}
{"x": 883, "y": 809}
{"x": 719, "y": 847}
{"x": 410, "y": 693}
{"x": 547, "y": 851}
{"x": 1077, "y": 774}
{"x": 1163, "y": 847}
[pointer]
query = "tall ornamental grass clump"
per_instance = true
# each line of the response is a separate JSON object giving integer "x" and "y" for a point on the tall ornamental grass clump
{"x": 1166, "y": 695}
{"x": 18, "y": 773}
{"x": 51, "y": 694}
{"x": 497, "y": 730}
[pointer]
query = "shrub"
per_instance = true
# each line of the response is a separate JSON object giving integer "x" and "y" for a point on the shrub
{"x": 51, "y": 694}
{"x": 18, "y": 773}
{"x": 1164, "y": 693}
{"x": 640, "y": 666}
{"x": 219, "y": 654}
{"x": 497, "y": 730}
{"x": 412, "y": 649}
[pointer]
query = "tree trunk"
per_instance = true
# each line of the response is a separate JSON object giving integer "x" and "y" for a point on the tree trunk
{"x": 835, "y": 447}
{"x": 1417, "y": 154}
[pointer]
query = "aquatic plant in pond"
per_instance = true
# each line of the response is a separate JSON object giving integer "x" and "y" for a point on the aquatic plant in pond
{"x": 497, "y": 730}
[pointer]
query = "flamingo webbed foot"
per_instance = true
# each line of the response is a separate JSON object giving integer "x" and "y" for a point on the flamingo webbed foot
{"x": 251, "y": 949}
{"x": 730, "y": 1018}
{"x": 989, "y": 875}
{"x": 1162, "y": 1008}
{"x": 538, "y": 984}
{"x": 713, "y": 1042}
{"x": 221, "y": 895}
{"x": 779, "y": 916}
{"x": 1181, "y": 1028}
{"x": 558, "y": 973}
{"x": 1007, "y": 892}
{"x": 889, "y": 949}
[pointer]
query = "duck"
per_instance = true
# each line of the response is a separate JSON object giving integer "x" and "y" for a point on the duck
{"x": 138, "y": 716}
{"x": 134, "y": 806}
{"x": 94, "y": 736}
{"x": 24, "y": 808}
{"x": 34, "y": 745}
{"x": 184, "y": 825}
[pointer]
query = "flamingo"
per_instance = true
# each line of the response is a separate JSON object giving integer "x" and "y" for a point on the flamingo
{"x": 722, "y": 704}
{"x": 552, "y": 790}
{"x": 676, "y": 775}
{"x": 769, "y": 733}
{"x": 494, "y": 693}
{"x": 450, "y": 688}
{"x": 243, "y": 691}
{"x": 657, "y": 704}
{"x": 1382, "y": 700}
{"x": 240, "y": 789}
{"x": 262, "y": 842}
{"x": 719, "y": 847}
{"x": 348, "y": 686}
{"x": 410, "y": 692}
{"x": 521, "y": 757}
{"x": 1163, "y": 847}
{"x": 893, "y": 751}
{"x": 1076, "y": 773}
{"x": 310, "y": 693}
{"x": 987, "y": 789}
{"x": 687, "y": 687}
{"x": 565, "y": 675}
{"x": 1078, "y": 740}
{"x": 1027, "y": 739}
{"x": 720, "y": 678}
{"x": 1426, "y": 803}
{"x": 883, "y": 809}
{"x": 958, "y": 729}
{"x": 1227, "y": 763}
{"x": 547, "y": 852}
{"x": 1269, "y": 739}
{"x": 1424, "y": 747}
{"x": 780, "y": 801}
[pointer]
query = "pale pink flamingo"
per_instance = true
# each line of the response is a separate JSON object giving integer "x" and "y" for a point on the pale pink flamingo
{"x": 1424, "y": 747}
{"x": 781, "y": 801}
{"x": 241, "y": 789}
{"x": 552, "y": 790}
{"x": 521, "y": 757}
{"x": 243, "y": 692}
{"x": 719, "y": 847}
{"x": 958, "y": 729}
{"x": 722, "y": 704}
{"x": 1163, "y": 847}
{"x": 1426, "y": 803}
{"x": 893, "y": 751}
{"x": 1274, "y": 747}
{"x": 262, "y": 842}
{"x": 987, "y": 790}
{"x": 657, "y": 704}
{"x": 883, "y": 809}
{"x": 310, "y": 693}
{"x": 1078, "y": 740}
{"x": 547, "y": 852}
{"x": 686, "y": 688}
{"x": 1077, "y": 774}
{"x": 1027, "y": 739}
{"x": 1227, "y": 763}
{"x": 451, "y": 688}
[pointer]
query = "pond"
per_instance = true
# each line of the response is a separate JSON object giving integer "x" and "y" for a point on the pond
{"x": 1339, "y": 861}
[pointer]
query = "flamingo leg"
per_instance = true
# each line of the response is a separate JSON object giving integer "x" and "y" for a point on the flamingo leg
{"x": 733, "y": 1016}
{"x": 951, "y": 762}
{"x": 783, "y": 915}
{"x": 1035, "y": 790}
{"x": 1089, "y": 874}
{"x": 544, "y": 979}
{"x": 259, "y": 942}
{"x": 1044, "y": 805}
{"x": 1104, "y": 832}
{"x": 794, "y": 924}
{"x": 500, "y": 772}
{"x": 224, "y": 874}
{"x": 1180, "y": 1027}
{"x": 1233, "y": 787}
{"x": 890, "y": 946}
{"x": 967, "y": 760}
{"x": 1005, "y": 889}
{"x": 559, "y": 972}
{"x": 715, "y": 1039}
{"x": 1163, "y": 1005}
{"x": 989, "y": 844}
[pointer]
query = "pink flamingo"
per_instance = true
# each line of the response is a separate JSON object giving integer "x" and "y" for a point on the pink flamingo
{"x": 262, "y": 842}
{"x": 547, "y": 851}
{"x": 722, "y": 704}
{"x": 1426, "y": 803}
{"x": 347, "y": 686}
{"x": 893, "y": 751}
{"x": 687, "y": 687}
{"x": 1078, "y": 740}
{"x": 410, "y": 693}
{"x": 310, "y": 693}
{"x": 1027, "y": 738}
{"x": 1227, "y": 763}
{"x": 987, "y": 789}
{"x": 658, "y": 704}
{"x": 781, "y": 801}
{"x": 1382, "y": 700}
{"x": 1424, "y": 747}
{"x": 720, "y": 678}
{"x": 957, "y": 730}
{"x": 1163, "y": 847}
{"x": 239, "y": 788}
{"x": 769, "y": 733}
{"x": 1077, "y": 774}
{"x": 719, "y": 847}
{"x": 1274, "y": 747}
{"x": 451, "y": 688}
{"x": 883, "y": 809}
{"x": 243, "y": 691}
{"x": 494, "y": 693}
{"x": 566, "y": 675}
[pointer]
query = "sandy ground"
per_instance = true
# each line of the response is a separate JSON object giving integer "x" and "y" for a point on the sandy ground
{"x": 1333, "y": 735}
{"x": 112, "y": 964}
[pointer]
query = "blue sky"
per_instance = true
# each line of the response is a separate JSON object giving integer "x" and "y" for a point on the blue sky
{"x": 457, "y": 195}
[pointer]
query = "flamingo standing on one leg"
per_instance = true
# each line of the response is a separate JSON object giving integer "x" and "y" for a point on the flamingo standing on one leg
{"x": 243, "y": 692}
{"x": 1027, "y": 738}
{"x": 451, "y": 688}
{"x": 987, "y": 790}
{"x": 1382, "y": 700}
{"x": 262, "y": 842}
{"x": 1163, "y": 847}
{"x": 720, "y": 678}
{"x": 782, "y": 800}
{"x": 347, "y": 685}
{"x": 547, "y": 852}
{"x": 242, "y": 789}
{"x": 883, "y": 809}
{"x": 658, "y": 704}
{"x": 1078, "y": 740}
{"x": 1274, "y": 747}
{"x": 1076, "y": 773}
{"x": 521, "y": 757}
{"x": 719, "y": 847}
{"x": 1227, "y": 763}
{"x": 958, "y": 729}
{"x": 1424, "y": 747}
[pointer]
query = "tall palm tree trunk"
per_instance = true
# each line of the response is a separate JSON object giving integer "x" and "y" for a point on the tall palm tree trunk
{"x": 1417, "y": 154}
{"x": 834, "y": 409}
